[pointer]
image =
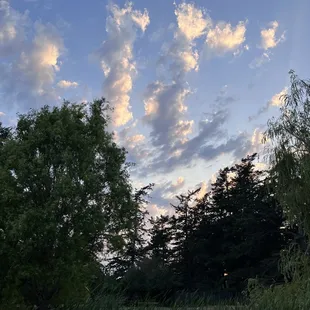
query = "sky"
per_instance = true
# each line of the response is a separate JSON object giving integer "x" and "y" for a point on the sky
{"x": 192, "y": 84}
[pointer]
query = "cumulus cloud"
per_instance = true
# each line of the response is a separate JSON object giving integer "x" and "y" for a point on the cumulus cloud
{"x": 277, "y": 100}
{"x": 117, "y": 59}
{"x": 268, "y": 36}
{"x": 192, "y": 22}
{"x": 2, "y": 113}
{"x": 12, "y": 32}
{"x": 269, "y": 41}
{"x": 165, "y": 109}
{"x": 31, "y": 76}
{"x": 67, "y": 84}
{"x": 225, "y": 38}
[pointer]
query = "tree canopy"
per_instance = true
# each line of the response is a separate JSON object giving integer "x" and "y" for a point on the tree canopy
{"x": 64, "y": 194}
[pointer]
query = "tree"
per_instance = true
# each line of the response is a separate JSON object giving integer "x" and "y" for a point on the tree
{"x": 182, "y": 226}
{"x": 239, "y": 235}
{"x": 64, "y": 194}
{"x": 256, "y": 238}
{"x": 160, "y": 239}
{"x": 132, "y": 250}
{"x": 289, "y": 136}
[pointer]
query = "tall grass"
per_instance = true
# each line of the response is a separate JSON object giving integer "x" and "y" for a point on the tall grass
{"x": 117, "y": 303}
{"x": 294, "y": 293}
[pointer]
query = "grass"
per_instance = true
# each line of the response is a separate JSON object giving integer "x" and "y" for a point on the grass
{"x": 112, "y": 303}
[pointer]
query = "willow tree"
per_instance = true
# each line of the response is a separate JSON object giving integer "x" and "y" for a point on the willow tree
{"x": 289, "y": 137}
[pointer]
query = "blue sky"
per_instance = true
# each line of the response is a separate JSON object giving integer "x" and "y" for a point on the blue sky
{"x": 192, "y": 83}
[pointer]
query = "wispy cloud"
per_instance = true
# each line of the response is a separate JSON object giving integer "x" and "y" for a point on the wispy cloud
{"x": 67, "y": 84}
{"x": 277, "y": 100}
{"x": 269, "y": 41}
{"x": 260, "y": 60}
{"x": 12, "y": 29}
{"x": 117, "y": 59}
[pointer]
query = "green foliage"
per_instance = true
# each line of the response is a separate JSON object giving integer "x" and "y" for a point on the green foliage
{"x": 289, "y": 136}
{"x": 289, "y": 155}
{"x": 64, "y": 193}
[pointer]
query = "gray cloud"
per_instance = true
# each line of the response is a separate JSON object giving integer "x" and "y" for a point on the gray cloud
{"x": 277, "y": 100}
{"x": 209, "y": 143}
{"x": 165, "y": 192}
{"x": 165, "y": 109}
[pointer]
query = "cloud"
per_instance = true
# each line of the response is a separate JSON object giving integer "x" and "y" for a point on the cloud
{"x": 259, "y": 145}
{"x": 203, "y": 190}
{"x": 165, "y": 109}
{"x": 165, "y": 102}
{"x": 117, "y": 60}
{"x": 67, "y": 84}
{"x": 12, "y": 32}
{"x": 157, "y": 35}
{"x": 2, "y": 113}
{"x": 164, "y": 194}
{"x": 268, "y": 36}
{"x": 210, "y": 142}
{"x": 260, "y": 60}
{"x": 261, "y": 166}
{"x": 257, "y": 140}
{"x": 178, "y": 184}
{"x": 277, "y": 100}
{"x": 268, "y": 42}
{"x": 225, "y": 38}
{"x": 31, "y": 76}
{"x": 136, "y": 145}
{"x": 155, "y": 211}
{"x": 168, "y": 128}
{"x": 192, "y": 22}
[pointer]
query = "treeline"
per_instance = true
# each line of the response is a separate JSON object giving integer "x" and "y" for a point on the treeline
{"x": 212, "y": 245}
{"x": 73, "y": 229}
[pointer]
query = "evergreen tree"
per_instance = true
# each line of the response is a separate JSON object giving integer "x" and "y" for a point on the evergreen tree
{"x": 132, "y": 249}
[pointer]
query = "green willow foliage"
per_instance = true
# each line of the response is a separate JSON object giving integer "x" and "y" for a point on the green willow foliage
{"x": 290, "y": 153}
{"x": 289, "y": 136}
